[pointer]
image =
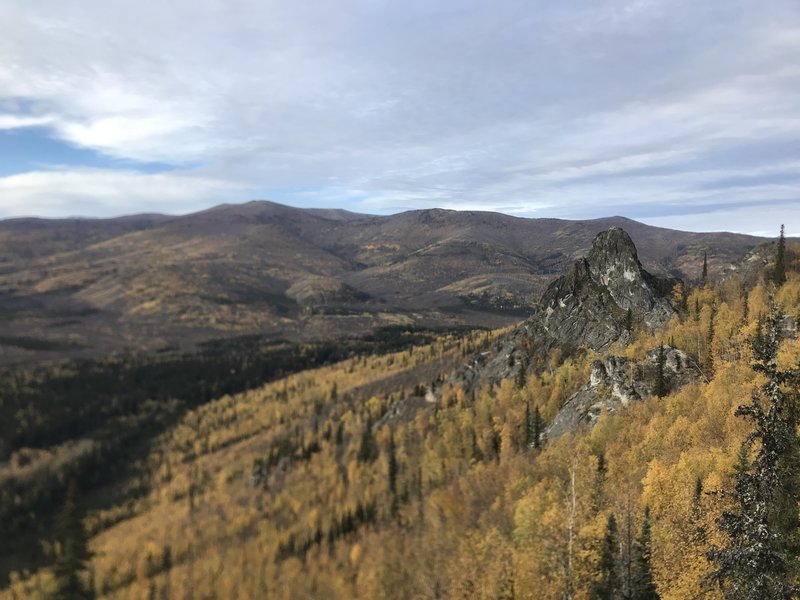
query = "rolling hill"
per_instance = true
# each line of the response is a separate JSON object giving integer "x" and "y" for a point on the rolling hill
{"x": 88, "y": 287}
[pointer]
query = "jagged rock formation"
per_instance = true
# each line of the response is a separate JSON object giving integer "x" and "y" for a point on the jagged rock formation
{"x": 614, "y": 263}
{"x": 590, "y": 306}
{"x": 616, "y": 382}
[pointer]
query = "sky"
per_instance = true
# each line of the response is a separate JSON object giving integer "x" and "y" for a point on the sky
{"x": 677, "y": 113}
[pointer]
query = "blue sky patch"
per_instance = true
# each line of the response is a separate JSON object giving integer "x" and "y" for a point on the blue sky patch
{"x": 34, "y": 149}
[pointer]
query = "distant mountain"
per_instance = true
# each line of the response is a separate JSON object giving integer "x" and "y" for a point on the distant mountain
{"x": 86, "y": 287}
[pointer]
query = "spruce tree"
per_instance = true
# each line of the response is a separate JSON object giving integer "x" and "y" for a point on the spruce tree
{"x": 698, "y": 533}
{"x": 661, "y": 388}
{"x": 642, "y": 586}
{"x": 537, "y": 427}
{"x": 608, "y": 585}
{"x": 522, "y": 373}
{"x": 73, "y": 554}
{"x": 704, "y": 276}
{"x": 368, "y": 449}
{"x": 598, "y": 493}
{"x": 528, "y": 425}
{"x": 392, "y": 469}
{"x": 710, "y": 340}
{"x": 697, "y": 497}
{"x": 779, "y": 273}
{"x": 760, "y": 558}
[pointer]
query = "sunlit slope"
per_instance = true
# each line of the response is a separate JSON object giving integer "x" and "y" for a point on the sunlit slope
{"x": 309, "y": 427}
{"x": 352, "y": 481}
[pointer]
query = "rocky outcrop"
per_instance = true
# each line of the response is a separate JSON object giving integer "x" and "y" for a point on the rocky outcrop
{"x": 589, "y": 305}
{"x": 757, "y": 265}
{"x": 616, "y": 382}
{"x": 593, "y": 305}
{"x": 614, "y": 264}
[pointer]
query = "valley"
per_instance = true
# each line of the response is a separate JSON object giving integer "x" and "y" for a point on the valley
{"x": 480, "y": 463}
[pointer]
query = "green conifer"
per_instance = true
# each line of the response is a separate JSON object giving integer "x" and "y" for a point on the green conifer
{"x": 642, "y": 585}
{"x": 760, "y": 559}
{"x": 537, "y": 427}
{"x": 779, "y": 273}
{"x": 704, "y": 276}
{"x": 73, "y": 556}
{"x": 608, "y": 585}
{"x": 661, "y": 388}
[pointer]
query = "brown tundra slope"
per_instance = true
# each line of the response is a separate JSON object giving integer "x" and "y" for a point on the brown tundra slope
{"x": 82, "y": 287}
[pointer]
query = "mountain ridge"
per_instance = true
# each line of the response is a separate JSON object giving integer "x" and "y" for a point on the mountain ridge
{"x": 149, "y": 281}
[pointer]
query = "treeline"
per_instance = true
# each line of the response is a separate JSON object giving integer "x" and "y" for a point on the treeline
{"x": 92, "y": 421}
{"x": 49, "y": 405}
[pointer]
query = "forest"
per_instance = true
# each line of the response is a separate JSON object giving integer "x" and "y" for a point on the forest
{"x": 373, "y": 473}
{"x": 91, "y": 421}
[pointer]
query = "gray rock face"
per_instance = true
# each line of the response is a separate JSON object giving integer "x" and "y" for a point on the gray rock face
{"x": 616, "y": 382}
{"x": 614, "y": 264}
{"x": 576, "y": 310}
{"x": 586, "y": 307}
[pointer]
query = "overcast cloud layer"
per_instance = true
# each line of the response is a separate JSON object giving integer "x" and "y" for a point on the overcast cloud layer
{"x": 677, "y": 113}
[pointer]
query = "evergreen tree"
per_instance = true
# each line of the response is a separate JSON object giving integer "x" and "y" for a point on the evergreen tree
{"x": 661, "y": 388}
{"x": 522, "y": 374}
{"x": 598, "y": 493}
{"x": 698, "y": 533}
{"x": 368, "y": 450}
{"x": 697, "y": 498}
{"x": 528, "y": 425}
{"x": 760, "y": 557}
{"x": 507, "y": 589}
{"x": 340, "y": 433}
{"x": 73, "y": 555}
{"x": 475, "y": 450}
{"x": 608, "y": 585}
{"x": 679, "y": 298}
{"x": 642, "y": 586}
{"x": 704, "y": 276}
{"x": 710, "y": 340}
{"x": 629, "y": 320}
{"x": 537, "y": 427}
{"x": 779, "y": 273}
{"x": 392, "y": 470}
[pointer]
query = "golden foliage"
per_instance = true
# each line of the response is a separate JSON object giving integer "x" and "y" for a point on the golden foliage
{"x": 284, "y": 492}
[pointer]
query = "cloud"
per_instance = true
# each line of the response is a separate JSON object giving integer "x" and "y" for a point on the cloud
{"x": 550, "y": 109}
{"x": 106, "y": 193}
{"x": 742, "y": 219}
{"x": 11, "y": 121}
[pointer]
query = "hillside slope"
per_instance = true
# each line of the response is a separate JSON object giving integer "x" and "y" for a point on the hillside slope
{"x": 85, "y": 288}
{"x": 353, "y": 481}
